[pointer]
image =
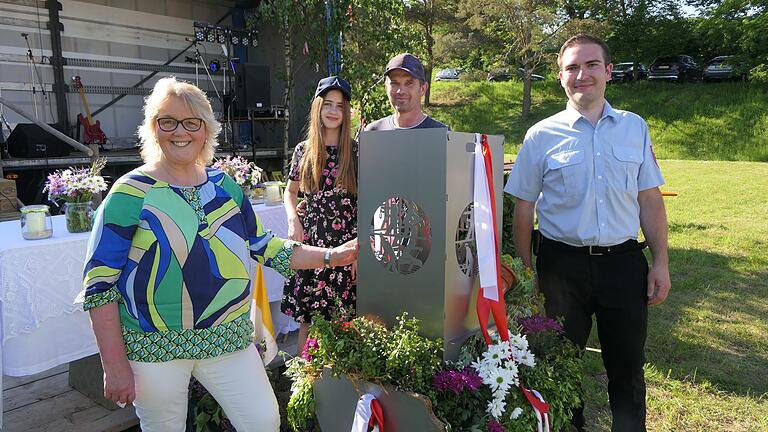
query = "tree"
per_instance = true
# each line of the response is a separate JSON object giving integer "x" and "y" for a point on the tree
{"x": 428, "y": 14}
{"x": 306, "y": 26}
{"x": 375, "y": 31}
{"x": 736, "y": 26}
{"x": 523, "y": 27}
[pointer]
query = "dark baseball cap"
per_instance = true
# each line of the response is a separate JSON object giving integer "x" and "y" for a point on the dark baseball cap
{"x": 334, "y": 83}
{"x": 409, "y": 63}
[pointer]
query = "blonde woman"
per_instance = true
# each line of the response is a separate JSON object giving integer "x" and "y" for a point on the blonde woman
{"x": 167, "y": 274}
{"x": 324, "y": 169}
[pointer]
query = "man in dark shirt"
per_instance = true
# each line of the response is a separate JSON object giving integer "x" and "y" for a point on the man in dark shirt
{"x": 406, "y": 84}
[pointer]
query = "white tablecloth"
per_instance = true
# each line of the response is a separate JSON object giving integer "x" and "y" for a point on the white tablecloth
{"x": 274, "y": 218}
{"x": 39, "y": 279}
{"x": 40, "y": 327}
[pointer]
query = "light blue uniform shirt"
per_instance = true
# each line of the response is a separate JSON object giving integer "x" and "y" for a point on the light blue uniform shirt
{"x": 586, "y": 178}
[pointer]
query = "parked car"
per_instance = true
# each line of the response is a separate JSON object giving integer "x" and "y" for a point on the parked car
{"x": 447, "y": 75}
{"x": 624, "y": 72}
{"x": 506, "y": 75}
{"x": 676, "y": 68}
{"x": 726, "y": 68}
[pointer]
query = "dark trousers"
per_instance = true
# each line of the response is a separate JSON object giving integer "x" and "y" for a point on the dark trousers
{"x": 612, "y": 287}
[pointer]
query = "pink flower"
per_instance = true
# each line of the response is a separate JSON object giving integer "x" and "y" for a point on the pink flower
{"x": 494, "y": 426}
{"x": 310, "y": 346}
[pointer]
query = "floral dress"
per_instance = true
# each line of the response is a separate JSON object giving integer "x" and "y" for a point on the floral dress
{"x": 331, "y": 220}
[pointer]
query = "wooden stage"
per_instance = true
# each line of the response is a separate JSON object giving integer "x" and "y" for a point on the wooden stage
{"x": 45, "y": 402}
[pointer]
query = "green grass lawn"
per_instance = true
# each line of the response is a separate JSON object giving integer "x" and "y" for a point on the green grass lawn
{"x": 707, "y": 349}
{"x": 725, "y": 121}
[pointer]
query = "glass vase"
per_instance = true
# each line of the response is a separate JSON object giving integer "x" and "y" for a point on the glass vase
{"x": 79, "y": 216}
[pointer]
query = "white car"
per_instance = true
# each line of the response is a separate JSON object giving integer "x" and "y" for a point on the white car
{"x": 447, "y": 75}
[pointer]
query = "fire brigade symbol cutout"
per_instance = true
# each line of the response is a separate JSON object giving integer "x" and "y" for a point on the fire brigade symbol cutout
{"x": 466, "y": 246}
{"x": 401, "y": 237}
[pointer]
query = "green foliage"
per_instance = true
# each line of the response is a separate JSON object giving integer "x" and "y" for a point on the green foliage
{"x": 722, "y": 121}
{"x": 507, "y": 216}
{"x": 412, "y": 360}
{"x": 463, "y": 412}
{"x": 207, "y": 414}
{"x": 557, "y": 376}
{"x": 759, "y": 74}
{"x": 301, "y": 405}
{"x": 364, "y": 350}
{"x": 521, "y": 300}
{"x": 368, "y": 44}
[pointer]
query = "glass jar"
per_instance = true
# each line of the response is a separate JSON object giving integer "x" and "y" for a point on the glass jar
{"x": 257, "y": 195}
{"x": 79, "y": 216}
{"x": 246, "y": 192}
{"x": 36, "y": 222}
{"x": 273, "y": 196}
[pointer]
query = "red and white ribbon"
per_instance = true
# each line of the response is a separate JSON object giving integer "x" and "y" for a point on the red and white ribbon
{"x": 490, "y": 300}
{"x": 540, "y": 407}
{"x": 368, "y": 414}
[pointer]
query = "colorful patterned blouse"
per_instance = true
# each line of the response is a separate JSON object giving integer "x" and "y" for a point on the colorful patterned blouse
{"x": 178, "y": 261}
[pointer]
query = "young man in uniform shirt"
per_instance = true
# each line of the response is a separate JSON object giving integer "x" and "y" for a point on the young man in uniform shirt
{"x": 590, "y": 173}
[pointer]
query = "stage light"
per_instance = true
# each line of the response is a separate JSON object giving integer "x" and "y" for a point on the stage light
{"x": 211, "y": 36}
{"x": 235, "y": 40}
{"x": 246, "y": 41}
{"x": 221, "y": 36}
{"x": 199, "y": 35}
{"x": 214, "y": 66}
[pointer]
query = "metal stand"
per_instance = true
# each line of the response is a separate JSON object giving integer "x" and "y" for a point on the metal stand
{"x": 34, "y": 76}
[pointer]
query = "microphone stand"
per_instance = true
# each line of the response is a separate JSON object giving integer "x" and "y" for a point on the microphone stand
{"x": 34, "y": 75}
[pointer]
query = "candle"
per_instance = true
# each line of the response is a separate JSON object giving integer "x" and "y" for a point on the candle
{"x": 273, "y": 193}
{"x": 35, "y": 222}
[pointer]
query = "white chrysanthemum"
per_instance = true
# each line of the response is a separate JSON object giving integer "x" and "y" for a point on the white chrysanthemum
{"x": 496, "y": 407}
{"x": 502, "y": 378}
{"x": 519, "y": 342}
{"x": 516, "y": 413}
{"x": 483, "y": 370}
{"x": 500, "y": 394}
{"x": 527, "y": 358}
{"x": 497, "y": 353}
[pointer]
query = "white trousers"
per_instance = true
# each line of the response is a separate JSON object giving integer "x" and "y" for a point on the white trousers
{"x": 238, "y": 381}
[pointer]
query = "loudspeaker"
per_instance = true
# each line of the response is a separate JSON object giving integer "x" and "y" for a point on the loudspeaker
{"x": 252, "y": 88}
{"x": 30, "y": 140}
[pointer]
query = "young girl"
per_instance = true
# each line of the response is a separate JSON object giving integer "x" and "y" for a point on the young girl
{"x": 324, "y": 168}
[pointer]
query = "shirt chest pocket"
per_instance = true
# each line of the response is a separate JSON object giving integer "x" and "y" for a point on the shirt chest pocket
{"x": 625, "y": 168}
{"x": 568, "y": 172}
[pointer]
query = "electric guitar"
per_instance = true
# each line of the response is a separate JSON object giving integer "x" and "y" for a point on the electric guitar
{"x": 92, "y": 133}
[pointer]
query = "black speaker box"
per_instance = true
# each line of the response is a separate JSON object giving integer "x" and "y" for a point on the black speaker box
{"x": 252, "y": 90}
{"x": 30, "y": 140}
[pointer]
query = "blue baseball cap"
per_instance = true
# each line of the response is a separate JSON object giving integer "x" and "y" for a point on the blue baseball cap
{"x": 334, "y": 83}
{"x": 409, "y": 63}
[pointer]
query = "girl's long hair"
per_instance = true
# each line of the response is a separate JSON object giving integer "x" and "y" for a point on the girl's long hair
{"x": 315, "y": 156}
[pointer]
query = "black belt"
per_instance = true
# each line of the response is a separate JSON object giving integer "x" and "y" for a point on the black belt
{"x": 627, "y": 246}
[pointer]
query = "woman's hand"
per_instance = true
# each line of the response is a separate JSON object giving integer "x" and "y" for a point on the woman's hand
{"x": 119, "y": 385}
{"x": 345, "y": 254}
{"x": 354, "y": 272}
{"x": 295, "y": 230}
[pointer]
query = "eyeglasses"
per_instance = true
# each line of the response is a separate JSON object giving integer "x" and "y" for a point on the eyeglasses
{"x": 169, "y": 124}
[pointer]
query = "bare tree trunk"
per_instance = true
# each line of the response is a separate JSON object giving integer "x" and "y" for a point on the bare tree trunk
{"x": 287, "y": 92}
{"x": 526, "y": 95}
{"x": 430, "y": 62}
